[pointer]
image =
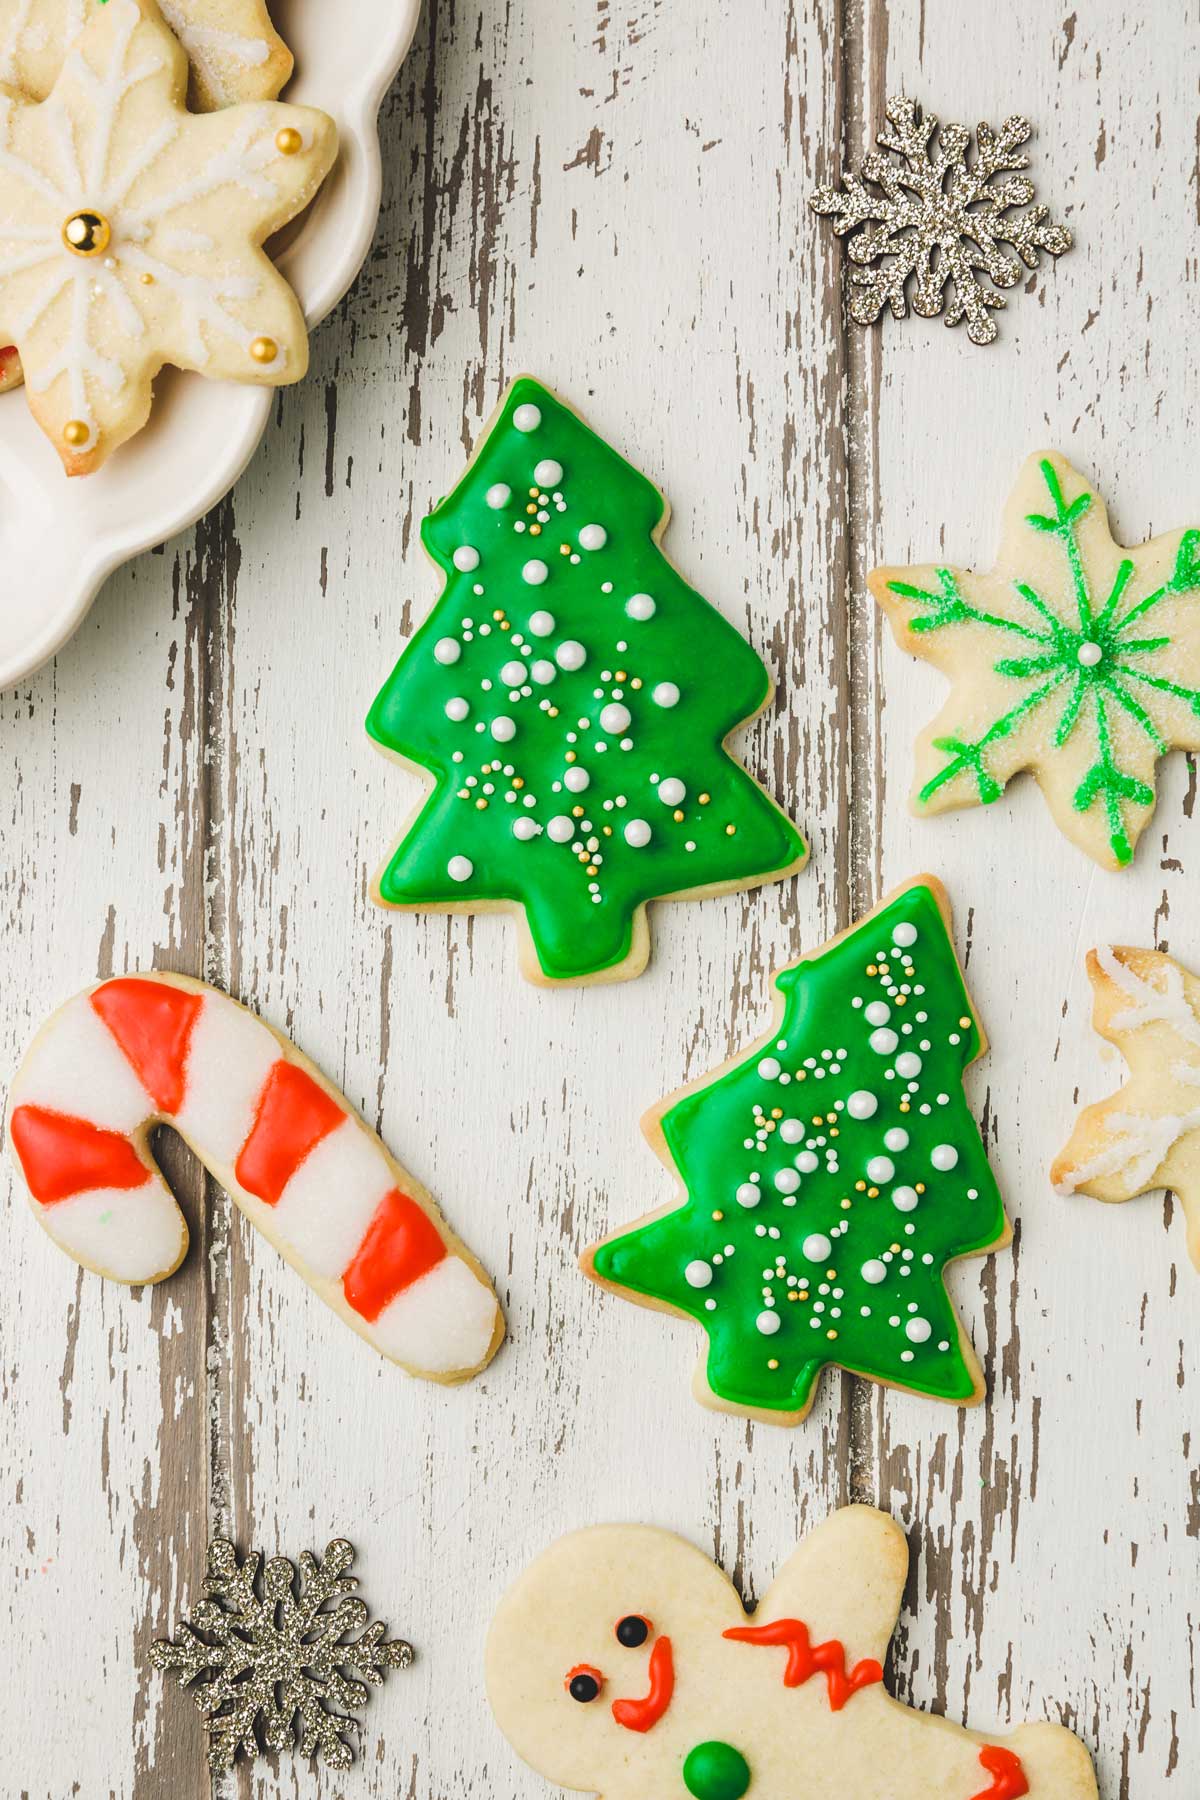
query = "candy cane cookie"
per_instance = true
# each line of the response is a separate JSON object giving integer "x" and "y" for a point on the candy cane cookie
{"x": 144, "y": 1050}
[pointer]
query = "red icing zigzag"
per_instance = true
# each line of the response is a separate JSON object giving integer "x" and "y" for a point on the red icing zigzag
{"x": 1009, "y": 1781}
{"x": 804, "y": 1661}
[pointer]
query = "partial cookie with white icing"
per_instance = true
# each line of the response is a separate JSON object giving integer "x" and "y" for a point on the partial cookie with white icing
{"x": 235, "y": 52}
{"x": 143, "y": 1050}
{"x": 1147, "y": 1135}
{"x": 622, "y": 1663}
{"x": 131, "y": 233}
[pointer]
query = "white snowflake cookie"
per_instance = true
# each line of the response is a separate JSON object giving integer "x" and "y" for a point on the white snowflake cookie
{"x": 235, "y": 51}
{"x": 131, "y": 233}
{"x": 1147, "y": 1135}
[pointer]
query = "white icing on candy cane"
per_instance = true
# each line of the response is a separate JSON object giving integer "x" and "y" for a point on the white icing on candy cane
{"x": 140, "y": 1050}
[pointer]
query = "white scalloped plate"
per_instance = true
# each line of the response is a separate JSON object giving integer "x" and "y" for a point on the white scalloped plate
{"x": 59, "y": 539}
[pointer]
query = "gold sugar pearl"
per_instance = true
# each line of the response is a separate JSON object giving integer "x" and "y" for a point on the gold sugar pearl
{"x": 718, "y": 1216}
{"x": 288, "y": 140}
{"x": 87, "y": 233}
{"x": 76, "y": 433}
{"x": 772, "y": 1362}
{"x": 730, "y": 830}
{"x": 264, "y": 349}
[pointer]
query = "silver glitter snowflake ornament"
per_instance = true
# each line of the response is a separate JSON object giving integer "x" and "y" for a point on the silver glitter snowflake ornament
{"x": 281, "y": 1660}
{"x": 936, "y": 213}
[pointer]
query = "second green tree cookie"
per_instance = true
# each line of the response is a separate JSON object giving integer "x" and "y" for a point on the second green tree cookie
{"x": 829, "y": 1175}
{"x": 571, "y": 696}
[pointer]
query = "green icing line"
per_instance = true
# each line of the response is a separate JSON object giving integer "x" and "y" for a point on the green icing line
{"x": 610, "y": 626}
{"x": 1104, "y": 675}
{"x": 858, "y": 1284}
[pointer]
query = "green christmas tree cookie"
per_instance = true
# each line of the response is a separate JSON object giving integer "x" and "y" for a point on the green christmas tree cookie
{"x": 1073, "y": 657}
{"x": 571, "y": 696}
{"x": 829, "y": 1176}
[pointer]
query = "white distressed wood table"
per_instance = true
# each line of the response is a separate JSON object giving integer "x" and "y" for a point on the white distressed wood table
{"x": 615, "y": 198}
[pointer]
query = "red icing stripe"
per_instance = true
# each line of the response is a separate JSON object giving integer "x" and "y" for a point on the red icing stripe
{"x": 401, "y": 1244}
{"x": 1009, "y": 1777}
{"x": 294, "y": 1114}
{"x": 61, "y": 1156}
{"x": 644, "y": 1714}
{"x": 804, "y": 1661}
{"x": 153, "y": 1024}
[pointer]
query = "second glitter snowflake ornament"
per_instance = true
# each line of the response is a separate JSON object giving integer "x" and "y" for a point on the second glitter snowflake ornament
{"x": 282, "y": 1659}
{"x": 937, "y": 213}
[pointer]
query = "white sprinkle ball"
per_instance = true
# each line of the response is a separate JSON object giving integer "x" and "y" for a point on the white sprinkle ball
{"x": 561, "y": 829}
{"x": 637, "y": 834}
{"x": 862, "y": 1104}
{"x": 640, "y": 607}
{"x": 541, "y": 624}
{"x": 874, "y": 1271}
{"x": 447, "y": 651}
{"x": 593, "y": 537}
{"x": 570, "y": 654}
{"x": 666, "y": 694}
{"x": 534, "y": 572}
{"x": 548, "y": 473}
{"x": 698, "y": 1274}
{"x": 460, "y": 868}
{"x": 527, "y": 417}
{"x": 466, "y": 558}
{"x": 498, "y": 495}
{"x": 943, "y": 1157}
{"x": 672, "y": 791}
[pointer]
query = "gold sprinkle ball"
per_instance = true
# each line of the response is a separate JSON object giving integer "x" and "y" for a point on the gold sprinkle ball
{"x": 87, "y": 233}
{"x": 264, "y": 349}
{"x": 75, "y": 433}
{"x": 288, "y": 140}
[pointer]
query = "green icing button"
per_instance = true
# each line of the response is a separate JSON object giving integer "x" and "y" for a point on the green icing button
{"x": 716, "y": 1771}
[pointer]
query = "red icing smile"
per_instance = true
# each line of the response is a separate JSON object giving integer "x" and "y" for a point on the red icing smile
{"x": 640, "y": 1715}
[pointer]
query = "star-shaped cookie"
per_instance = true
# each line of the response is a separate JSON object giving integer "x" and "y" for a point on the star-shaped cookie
{"x": 1147, "y": 1135}
{"x": 131, "y": 233}
{"x": 1072, "y": 657}
{"x": 235, "y": 51}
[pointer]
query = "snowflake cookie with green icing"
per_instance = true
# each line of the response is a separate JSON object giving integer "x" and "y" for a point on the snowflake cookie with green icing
{"x": 131, "y": 233}
{"x": 1073, "y": 657}
{"x": 829, "y": 1175}
{"x": 1147, "y": 1135}
{"x": 235, "y": 51}
{"x": 571, "y": 697}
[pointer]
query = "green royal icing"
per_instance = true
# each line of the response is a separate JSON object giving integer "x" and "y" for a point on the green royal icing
{"x": 716, "y": 1771}
{"x": 793, "y": 1247}
{"x": 546, "y": 794}
{"x": 1092, "y": 662}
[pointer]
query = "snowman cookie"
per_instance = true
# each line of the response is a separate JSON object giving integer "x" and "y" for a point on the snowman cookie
{"x": 131, "y": 233}
{"x": 234, "y": 50}
{"x": 623, "y": 1664}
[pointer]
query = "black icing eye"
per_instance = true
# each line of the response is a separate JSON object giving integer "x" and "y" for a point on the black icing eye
{"x": 584, "y": 1683}
{"x": 632, "y": 1631}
